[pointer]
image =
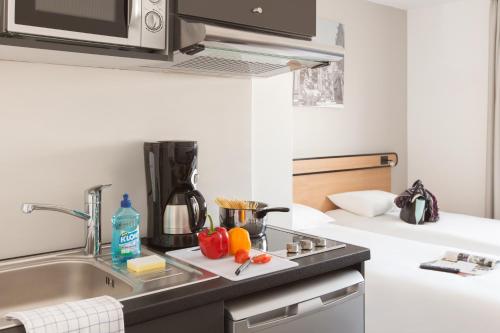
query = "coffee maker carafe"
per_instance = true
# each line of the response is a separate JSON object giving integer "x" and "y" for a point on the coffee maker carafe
{"x": 176, "y": 210}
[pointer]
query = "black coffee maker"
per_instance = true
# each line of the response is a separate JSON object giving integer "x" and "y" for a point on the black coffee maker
{"x": 176, "y": 210}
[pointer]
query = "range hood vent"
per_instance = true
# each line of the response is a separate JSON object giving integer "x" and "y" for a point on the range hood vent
{"x": 229, "y": 66}
{"x": 208, "y": 49}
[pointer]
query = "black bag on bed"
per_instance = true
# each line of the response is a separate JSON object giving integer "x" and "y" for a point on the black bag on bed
{"x": 418, "y": 205}
{"x": 414, "y": 211}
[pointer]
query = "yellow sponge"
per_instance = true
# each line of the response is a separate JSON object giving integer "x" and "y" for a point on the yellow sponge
{"x": 149, "y": 263}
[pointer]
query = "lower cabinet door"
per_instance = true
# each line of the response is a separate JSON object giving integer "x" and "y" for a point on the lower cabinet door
{"x": 208, "y": 318}
{"x": 345, "y": 317}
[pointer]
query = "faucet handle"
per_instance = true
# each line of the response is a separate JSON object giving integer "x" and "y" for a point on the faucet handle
{"x": 93, "y": 194}
{"x": 97, "y": 188}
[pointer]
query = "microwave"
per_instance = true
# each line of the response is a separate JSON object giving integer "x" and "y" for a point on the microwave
{"x": 129, "y": 23}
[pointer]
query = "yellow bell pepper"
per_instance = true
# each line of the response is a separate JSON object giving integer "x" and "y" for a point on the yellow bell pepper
{"x": 239, "y": 239}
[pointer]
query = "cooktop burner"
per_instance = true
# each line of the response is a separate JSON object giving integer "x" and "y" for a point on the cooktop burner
{"x": 292, "y": 244}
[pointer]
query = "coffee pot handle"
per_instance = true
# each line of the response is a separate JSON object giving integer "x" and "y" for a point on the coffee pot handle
{"x": 197, "y": 211}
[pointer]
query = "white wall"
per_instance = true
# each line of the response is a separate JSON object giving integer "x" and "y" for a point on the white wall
{"x": 409, "y": 4}
{"x": 63, "y": 129}
{"x": 272, "y": 132}
{"x": 374, "y": 117}
{"x": 447, "y": 102}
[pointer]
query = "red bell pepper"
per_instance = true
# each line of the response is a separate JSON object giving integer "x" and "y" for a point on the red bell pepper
{"x": 214, "y": 242}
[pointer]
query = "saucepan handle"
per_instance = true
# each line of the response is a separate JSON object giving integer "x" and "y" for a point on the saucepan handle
{"x": 263, "y": 212}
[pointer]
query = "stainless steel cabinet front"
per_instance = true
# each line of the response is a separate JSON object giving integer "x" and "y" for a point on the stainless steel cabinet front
{"x": 347, "y": 317}
{"x": 330, "y": 303}
{"x": 288, "y": 17}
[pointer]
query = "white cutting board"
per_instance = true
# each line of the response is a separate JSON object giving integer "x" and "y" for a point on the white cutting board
{"x": 226, "y": 266}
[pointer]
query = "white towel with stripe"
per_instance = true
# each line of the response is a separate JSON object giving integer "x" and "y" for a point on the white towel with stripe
{"x": 93, "y": 315}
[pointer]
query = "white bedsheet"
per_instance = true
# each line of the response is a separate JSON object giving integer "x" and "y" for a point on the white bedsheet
{"x": 401, "y": 298}
{"x": 455, "y": 230}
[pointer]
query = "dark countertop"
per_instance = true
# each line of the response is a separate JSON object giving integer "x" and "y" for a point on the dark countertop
{"x": 150, "y": 307}
{"x": 176, "y": 300}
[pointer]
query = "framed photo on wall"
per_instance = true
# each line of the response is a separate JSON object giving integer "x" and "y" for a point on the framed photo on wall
{"x": 324, "y": 86}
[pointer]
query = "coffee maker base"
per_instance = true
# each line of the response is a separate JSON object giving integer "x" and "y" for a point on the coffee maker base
{"x": 168, "y": 242}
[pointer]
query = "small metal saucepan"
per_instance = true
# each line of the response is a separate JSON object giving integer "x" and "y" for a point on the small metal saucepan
{"x": 253, "y": 220}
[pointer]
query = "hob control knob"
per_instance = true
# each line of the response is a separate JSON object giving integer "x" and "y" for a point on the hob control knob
{"x": 320, "y": 242}
{"x": 292, "y": 248}
{"x": 153, "y": 21}
{"x": 306, "y": 244}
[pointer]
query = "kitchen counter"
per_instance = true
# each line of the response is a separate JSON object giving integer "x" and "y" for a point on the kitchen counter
{"x": 201, "y": 305}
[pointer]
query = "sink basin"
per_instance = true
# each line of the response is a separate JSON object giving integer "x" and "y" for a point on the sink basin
{"x": 45, "y": 280}
{"x": 56, "y": 282}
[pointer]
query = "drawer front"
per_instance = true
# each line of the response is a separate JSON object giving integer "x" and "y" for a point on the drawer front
{"x": 289, "y": 17}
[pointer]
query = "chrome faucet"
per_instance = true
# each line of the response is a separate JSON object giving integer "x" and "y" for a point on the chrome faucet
{"x": 92, "y": 216}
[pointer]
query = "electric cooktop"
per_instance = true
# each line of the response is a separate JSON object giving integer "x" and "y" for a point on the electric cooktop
{"x": 292, "y": 244}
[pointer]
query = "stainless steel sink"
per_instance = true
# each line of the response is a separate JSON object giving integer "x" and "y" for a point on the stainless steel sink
{"x": 68, "y": 276}
{"x": 57, "y": 282}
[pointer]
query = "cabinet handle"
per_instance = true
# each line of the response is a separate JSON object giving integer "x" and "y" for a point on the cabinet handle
{"x": 257, "y": 10}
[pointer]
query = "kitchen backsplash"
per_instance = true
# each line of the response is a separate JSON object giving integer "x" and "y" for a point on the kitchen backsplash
{"x": 64, "y": 129}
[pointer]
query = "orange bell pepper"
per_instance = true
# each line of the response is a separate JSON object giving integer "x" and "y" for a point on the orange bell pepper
{"x": 239, "y": 239}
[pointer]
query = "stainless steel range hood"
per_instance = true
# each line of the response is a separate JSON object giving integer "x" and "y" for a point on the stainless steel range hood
{"x": 208, "y": 49}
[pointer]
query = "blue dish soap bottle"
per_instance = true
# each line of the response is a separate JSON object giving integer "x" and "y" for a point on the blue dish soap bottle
{"x": 126, "y": 242}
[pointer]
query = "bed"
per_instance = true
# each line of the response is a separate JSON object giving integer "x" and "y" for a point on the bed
{"x": 316, "y": 178}
{"x": 455, "y": 230}
{"x": 400, "y": 297}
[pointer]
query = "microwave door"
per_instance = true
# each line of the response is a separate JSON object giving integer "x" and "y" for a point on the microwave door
{"x": 115, "y": 22}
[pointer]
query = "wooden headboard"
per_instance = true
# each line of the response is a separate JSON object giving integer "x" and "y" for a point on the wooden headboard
{"x": 316, "y": 178}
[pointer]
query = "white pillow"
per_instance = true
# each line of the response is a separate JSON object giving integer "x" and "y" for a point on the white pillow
{"x": 304, "y": 217}
{"x": 364, "y": 203}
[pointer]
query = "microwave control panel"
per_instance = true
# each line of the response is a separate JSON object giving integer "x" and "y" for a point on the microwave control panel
{"x": 154, "y": 24}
